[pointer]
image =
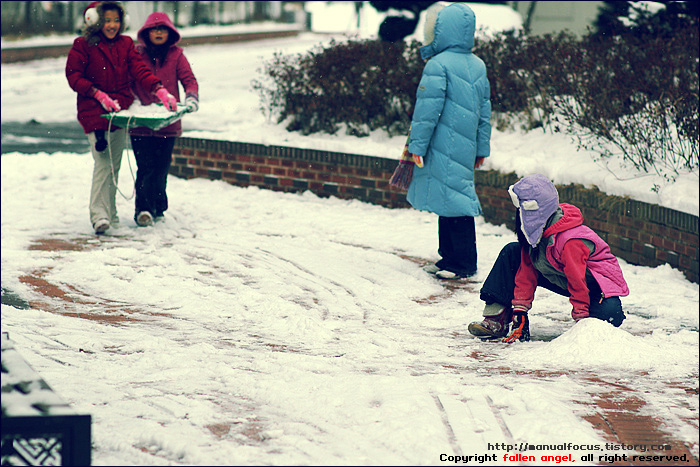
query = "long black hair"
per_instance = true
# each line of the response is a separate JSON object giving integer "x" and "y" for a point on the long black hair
{"x": 157, "y": 53}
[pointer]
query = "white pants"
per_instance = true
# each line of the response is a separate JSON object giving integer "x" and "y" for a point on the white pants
{"x": 105, "y": 171}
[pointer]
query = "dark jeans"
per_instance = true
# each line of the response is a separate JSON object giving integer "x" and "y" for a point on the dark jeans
{"x": 153, "y": 157}
{"x": 457, "y": 245}
{"x": 499, "y": 287}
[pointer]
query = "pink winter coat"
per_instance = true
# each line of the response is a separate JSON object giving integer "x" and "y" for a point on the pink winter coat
{"x": 568, "y": 255}
{"x": 175, "y": 68}
{"x": 108, "y": 66}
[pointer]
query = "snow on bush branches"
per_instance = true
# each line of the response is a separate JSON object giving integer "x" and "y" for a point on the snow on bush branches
{"x": 629, "y": 97}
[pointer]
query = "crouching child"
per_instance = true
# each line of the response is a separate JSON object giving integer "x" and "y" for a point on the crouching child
{"x": 555, "y": 251}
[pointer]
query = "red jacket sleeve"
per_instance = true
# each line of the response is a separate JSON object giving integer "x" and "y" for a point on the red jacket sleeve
{"x": 75, "y": 68}
{"x": 186, "y": 76}
{"x": 525, "y": 281}
{"x": 574, "y": 258}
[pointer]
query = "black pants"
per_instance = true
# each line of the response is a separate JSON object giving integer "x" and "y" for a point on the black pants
{"x": 499, "y": 287}
{"x": 457, "y": 245}
{"x": 153, "y": 157}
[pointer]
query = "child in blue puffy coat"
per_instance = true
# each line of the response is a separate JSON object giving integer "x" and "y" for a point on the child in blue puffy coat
{"x": 450, "y": 136}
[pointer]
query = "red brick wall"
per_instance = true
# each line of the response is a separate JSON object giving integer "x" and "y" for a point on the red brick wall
{"x": 637, "y": 232}
{"x": 348, "y": 176}
{"x": 24, "y": 54}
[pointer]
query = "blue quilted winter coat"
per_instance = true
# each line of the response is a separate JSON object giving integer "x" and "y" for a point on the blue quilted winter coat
{"x": 451, "y": 124}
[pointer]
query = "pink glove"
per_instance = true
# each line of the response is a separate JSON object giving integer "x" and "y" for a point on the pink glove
{"x": 167, "y": 99}
{"x": 579, "y": 314}
{"x": 107, "y": 103}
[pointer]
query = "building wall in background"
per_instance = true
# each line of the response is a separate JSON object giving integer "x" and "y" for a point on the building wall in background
{"x": 555, "y": 16}
{"x": 23, "y": 54}
{"x": 190, "y": 13}
{"x": 29, "y": 18}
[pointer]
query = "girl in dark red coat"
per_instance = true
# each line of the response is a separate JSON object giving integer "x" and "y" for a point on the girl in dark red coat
{"x": 153, "y": 150}
{"x": 100, "y": 66}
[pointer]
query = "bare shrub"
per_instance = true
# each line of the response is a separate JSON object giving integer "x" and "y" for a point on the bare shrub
{"x": 363, "y": 84}
{"x": 633, "y": 96}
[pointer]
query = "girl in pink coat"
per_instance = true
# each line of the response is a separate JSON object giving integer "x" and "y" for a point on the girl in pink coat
{"x": 158, "y": 40}
{"x": 100, "y": 66}
{"x": 555, "y": 250}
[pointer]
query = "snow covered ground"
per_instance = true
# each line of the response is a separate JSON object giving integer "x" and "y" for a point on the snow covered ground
{"x": 253, "y": 327}
{"x": 279, "y": 329}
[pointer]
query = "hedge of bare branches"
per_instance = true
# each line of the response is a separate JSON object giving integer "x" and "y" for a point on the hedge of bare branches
{"x": 629, "y": 96}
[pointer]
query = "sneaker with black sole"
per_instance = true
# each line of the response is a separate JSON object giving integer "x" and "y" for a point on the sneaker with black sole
{"x": 101, "y": 226}
{"x": 144, "y": 219}
{"x": 446, "y": 275}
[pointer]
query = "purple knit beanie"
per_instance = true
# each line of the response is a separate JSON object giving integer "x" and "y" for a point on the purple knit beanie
{"x": 537, "y": 198}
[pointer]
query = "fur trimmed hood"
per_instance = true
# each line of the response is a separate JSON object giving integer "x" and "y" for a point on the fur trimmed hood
{"x": 446, "y": 27}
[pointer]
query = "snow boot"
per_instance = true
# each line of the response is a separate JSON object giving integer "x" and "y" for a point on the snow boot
{"x": 496, "y": 322}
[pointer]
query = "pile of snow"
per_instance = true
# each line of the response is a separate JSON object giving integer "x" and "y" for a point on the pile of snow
{"x": 593, "y": 344}
{"x": 145, "y": 111}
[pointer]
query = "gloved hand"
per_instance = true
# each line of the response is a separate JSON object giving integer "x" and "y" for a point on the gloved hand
{"x": 192, "y": 103}
{"x": 521, "y": 325}
{"x": 478, "y": 162}
{"x": 167, "y": 99}
{"x": 579, "y": 314}
{"x": 100, "y": 141}
{"x": 418, "y": 160}
{"x": 107, "y": 103}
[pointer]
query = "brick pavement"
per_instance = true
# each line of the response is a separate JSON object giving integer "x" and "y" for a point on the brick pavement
{"x": 618, "y": 410}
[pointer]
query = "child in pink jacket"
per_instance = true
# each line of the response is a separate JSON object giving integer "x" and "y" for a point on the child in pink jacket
{"x": 153, "y": 150}
{"x": 555, "y": 251}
